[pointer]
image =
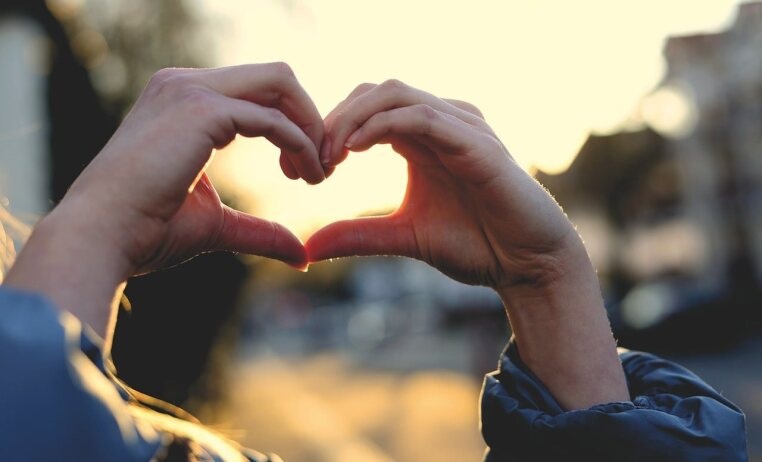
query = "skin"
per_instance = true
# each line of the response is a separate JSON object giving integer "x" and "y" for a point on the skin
{"x": 145, "y": 203}
{"x": 473, "y": 213}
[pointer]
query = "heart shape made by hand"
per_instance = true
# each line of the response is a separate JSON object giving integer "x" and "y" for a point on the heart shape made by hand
{"x": 468, "y": 210}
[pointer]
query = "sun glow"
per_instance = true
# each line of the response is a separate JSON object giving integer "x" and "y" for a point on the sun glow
{"x": 545, "y": 74}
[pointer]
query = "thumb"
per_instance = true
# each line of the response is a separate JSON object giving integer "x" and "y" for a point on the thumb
{"x": 244, "y": 233}
{"x": 387, "y": 235}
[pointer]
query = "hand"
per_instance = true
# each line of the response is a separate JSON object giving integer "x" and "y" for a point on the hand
{"x": 469, "y": 210}
{"x": 147, "y": 191}
{"x": 472, "y": 213}
{"x": 145, "y": 203}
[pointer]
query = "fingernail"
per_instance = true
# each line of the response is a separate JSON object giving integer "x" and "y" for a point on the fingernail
{"x": 325, "y": 151}
{"x": 351, "y": 140}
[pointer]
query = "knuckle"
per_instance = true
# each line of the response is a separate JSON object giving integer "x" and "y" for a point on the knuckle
{"x": 283, "y": 69}
{"x": 275, "y": 120}
{"x": 166, "y": 78}
{"x": 338, "y": 118}
{"x": 394, "y": 85}
{"x": 426, "y": 112}
{"x": 363, "y": 88}
{"x": 284, "y": 82}
{"x": 218, "y": 124}
{"x": 468, "y": 107}
{"x": 427, "y": 117}
{"x": 162, "y": 75}
{"x": 195, "y": 100}
{"x": 275, "y": 115}
{"x": 492, "y": 143}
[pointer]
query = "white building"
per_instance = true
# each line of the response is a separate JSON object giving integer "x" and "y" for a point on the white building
{"x": 24, "y": 172}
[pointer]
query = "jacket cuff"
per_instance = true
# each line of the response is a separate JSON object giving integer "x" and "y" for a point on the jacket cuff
{"x": 673, "y": 415}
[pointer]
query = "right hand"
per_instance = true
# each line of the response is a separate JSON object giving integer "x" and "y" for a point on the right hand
{"x": 474, "y": 214}
{"x": 469, "y": 210}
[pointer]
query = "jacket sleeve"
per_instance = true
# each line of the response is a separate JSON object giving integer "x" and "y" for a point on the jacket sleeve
{"x": 56, "y": 403}
{"x": 673, "y": 416}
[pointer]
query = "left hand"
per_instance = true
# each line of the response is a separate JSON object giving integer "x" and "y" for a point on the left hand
{"x": 148, "y": 190}
{"x": 145, "y": 203}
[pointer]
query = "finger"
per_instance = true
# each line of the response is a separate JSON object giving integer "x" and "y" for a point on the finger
{"x": 329, "y": 171}
{"x": 359, "y": 90}
{"x": 431, "y": 128}
{"x": 251, "y": 120}
{"x": 389, "y": 95}
{"x": 465, "y": 151}
{"x": 325, "y": 149}
{"x": 270, "y": 84}
{"x": 466, "y": 106}
{"x": 288, "y": 167}
{"x": 388, "y": 235}
{"x": 244, "y": 233}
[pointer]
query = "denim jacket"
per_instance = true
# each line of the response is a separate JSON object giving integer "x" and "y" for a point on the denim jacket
{"x": 59, "y": 400}
{"x": 672, "y": 416}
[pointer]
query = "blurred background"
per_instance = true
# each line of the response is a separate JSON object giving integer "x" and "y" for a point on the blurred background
{"x": 644, "y": 119}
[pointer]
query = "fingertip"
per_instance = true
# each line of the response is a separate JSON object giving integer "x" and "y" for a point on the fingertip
{"x": 316, "y": 179}
{"x": 382, "y": 235}
{"x": 312, "y": 250}
{"x": 334, "y": 161}
{"x": 297, "y": 258}
{"x": 322, "y": 245}
{"x": 288, "y": 167}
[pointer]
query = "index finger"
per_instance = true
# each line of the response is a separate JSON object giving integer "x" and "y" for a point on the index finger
{"x": 391, "y": 94}
{"x": 273, "y": 85}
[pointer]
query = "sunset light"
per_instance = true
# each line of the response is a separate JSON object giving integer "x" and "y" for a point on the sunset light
{"x": 577, "y": 276}
{"x": 545, "y": 74}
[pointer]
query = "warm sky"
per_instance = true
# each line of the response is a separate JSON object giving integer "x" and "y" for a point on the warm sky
{"x": 545, "y": 74}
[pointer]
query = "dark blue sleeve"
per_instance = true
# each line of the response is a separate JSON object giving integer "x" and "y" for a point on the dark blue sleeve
{"x": 673, "y": 416}
{"x": 56, "y": 403}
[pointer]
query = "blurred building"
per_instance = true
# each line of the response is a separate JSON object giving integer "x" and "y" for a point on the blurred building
{"x": 672, "y": 213}
{"x": 67, "y": 70}
{"x": 22, "y": 117}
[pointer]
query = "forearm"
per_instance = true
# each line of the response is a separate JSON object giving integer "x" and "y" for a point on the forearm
{"x": 563, "y": 333}
{"x": 74, "y": 268}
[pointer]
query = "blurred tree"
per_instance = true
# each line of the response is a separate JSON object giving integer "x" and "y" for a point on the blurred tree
{"x": 143, "y": 36}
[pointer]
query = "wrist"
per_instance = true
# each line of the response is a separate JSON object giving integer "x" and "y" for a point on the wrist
{"x": 560, "y": 325}
{"x": 78, "y": 230}
{"x": 75, "y": 265}
{"x": 550, "y": 273}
